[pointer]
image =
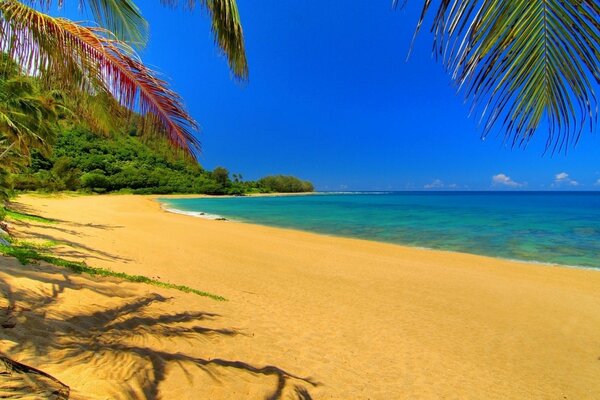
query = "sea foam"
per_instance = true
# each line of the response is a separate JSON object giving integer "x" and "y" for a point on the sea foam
{"x": 197, "y": 214}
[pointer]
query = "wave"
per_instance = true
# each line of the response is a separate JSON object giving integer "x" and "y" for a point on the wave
{"x": 197, "y": 214}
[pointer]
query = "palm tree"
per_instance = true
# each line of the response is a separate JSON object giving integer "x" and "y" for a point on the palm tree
{"x": 28, "y": 118}
{"x": 521, "y": 62}
{"x": 27, "y": 115}
{"x": 101, "y": 59}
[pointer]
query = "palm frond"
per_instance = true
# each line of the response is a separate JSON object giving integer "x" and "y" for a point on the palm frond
{"x": 98, "y": 111}
{"x": 26, "y": 116}
{"x": 121, "y": 17}
{"x": 227, "y": 30}
{"x": 68, "y": 52}
{"x": 523, "y": 61}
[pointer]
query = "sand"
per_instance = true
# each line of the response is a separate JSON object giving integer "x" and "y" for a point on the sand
{"x": 307, "y": 316}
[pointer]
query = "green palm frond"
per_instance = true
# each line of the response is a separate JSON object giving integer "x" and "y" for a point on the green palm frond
{"x": 521, "y": 62}
{"x": 122, "y": 17}
{"x": 27, "y": 116}
{"x": 227, "y": 30}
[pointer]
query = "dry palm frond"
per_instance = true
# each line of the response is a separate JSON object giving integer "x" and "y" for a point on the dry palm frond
{"x": 522, "y": 62}
{"x": 121, "y": 17}
{"x": 94, "y": 60}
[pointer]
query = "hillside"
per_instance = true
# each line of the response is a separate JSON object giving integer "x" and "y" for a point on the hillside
{"x": 83, "y": 160}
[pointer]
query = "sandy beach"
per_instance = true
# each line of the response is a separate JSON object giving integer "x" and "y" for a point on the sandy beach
{"x": 307, "y": 316}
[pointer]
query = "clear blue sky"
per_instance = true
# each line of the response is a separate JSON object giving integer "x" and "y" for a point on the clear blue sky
{"x": 331, "y": 99}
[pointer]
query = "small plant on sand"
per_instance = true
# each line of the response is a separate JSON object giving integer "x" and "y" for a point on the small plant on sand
{"x": 19, "y": 216}
{"x": 28, "y": 253}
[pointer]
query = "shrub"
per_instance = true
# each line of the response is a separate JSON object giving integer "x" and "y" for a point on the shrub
{"x": 96, "y": 181}
{"x": 285, "y": 184}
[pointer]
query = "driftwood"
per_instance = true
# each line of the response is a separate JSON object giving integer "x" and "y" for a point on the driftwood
{"x": 17, "y": 379}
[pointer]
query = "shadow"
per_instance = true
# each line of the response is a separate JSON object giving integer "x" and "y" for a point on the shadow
{"x": 17, "y": 379}
{"x": 31, "y": 212}
{"x": 128, "y": 338}
{"x": 27, "y": 211}
{"x": 75, "y": 246}
{"x": 90, "y": 252}
{"x": 40, "y": 225}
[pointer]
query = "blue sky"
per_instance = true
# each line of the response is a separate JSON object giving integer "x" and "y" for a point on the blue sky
{"x": 332, "y": 99}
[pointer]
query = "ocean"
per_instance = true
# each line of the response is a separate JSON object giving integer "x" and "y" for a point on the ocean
{"x": 545, "y": 227}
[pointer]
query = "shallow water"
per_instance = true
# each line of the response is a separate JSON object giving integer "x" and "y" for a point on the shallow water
{"x": 557, "y": 227}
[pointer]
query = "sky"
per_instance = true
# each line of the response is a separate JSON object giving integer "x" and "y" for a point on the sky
{"x": 332, "y": 99}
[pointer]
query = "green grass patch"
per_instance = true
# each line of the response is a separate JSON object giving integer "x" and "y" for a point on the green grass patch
{"x": 28, "y": 253}
{"x": 19, "y": 216}
{"x": 41, "y": 245}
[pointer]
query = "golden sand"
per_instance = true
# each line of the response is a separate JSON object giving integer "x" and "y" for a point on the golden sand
{"x": 307, "y": 316}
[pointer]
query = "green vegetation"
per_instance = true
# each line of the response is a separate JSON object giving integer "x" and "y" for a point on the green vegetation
{"x": 28, "y": 119}
{"x": 90, "y": 63}
{"x": 18, "y": 216}
{"x": 126, "y": 161}
{"x": 98, "y": 58}
{"x": 28, "y": 253}
{"x": 284, "y": 184}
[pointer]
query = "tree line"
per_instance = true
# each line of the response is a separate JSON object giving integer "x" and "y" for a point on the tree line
{"x": 82, "y": 160}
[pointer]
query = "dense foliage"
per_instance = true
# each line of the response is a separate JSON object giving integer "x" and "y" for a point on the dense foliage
{"x": 99, "y": 57}
{"x": 285, "y": 184}
{"x": 83, "y": 160}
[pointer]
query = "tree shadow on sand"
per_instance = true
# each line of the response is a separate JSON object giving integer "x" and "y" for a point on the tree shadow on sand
{"x": 29, "y": 211}
{"x": 72, "y": 248}
{"x": 114, "y": 337}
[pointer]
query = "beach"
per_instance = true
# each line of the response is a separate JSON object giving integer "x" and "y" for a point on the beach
{"x": 306, "y": 316}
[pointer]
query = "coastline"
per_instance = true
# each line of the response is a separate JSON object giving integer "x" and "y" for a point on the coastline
{"x": 363, "y": 319}
{"x": 209, "y": 196}
{"x": 211, "y": 217}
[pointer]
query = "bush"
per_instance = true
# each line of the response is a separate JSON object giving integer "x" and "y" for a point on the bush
{"x": 285, "y": 184}
{"x": 95, "y": 181}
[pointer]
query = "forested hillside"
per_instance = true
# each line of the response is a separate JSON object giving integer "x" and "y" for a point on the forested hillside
{"x": 83, "y": 160}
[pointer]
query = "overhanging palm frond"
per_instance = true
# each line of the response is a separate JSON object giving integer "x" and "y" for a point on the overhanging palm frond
{"x": 121, "y": 17}
{"x": 69, "y": 52}
{"x": 520, "y": 61}
{"x": 227, "y": 30}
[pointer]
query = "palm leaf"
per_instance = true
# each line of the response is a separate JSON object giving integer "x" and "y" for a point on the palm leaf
{"x": 227, "y": 30}
{"x": 121, "y": 17}
{"x": 522, "y": 61}
{"x": 67, "y": 52}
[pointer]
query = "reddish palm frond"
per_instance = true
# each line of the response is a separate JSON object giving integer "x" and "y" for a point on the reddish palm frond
{"x": 69, "y": 52}
{"x": 121, "y": 17}
{"x": 227, "y": 30}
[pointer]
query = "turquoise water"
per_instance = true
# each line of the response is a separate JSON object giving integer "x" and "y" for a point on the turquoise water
{"x": 561, "y": 228}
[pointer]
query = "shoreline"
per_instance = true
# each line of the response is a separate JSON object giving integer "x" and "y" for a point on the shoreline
{"x": 218, "y": 217}
{"x": 224, "y": 196}
{"x": 327, "y": 316}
